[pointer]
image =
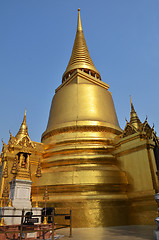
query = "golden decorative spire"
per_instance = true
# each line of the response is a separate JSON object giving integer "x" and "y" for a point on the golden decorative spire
{"x": 46, "y": 194}
{"x": 5, "y": 171}
{"x": 15, "y": 166}
{"x": 80, "y": 58}
{"x": 5, "y": 191}
{"x": 38, "y": 171}
{"x": 134, "y": 120}
{"x": 23, "y": 131}
{"x": 38, "y": 175}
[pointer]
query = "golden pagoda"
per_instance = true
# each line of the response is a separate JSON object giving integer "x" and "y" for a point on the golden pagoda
{"x": 106, "y": 175}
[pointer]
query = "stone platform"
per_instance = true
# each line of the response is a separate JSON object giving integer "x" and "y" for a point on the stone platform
{"x": 132, "y": 232}
{"x": 39, "y": 231}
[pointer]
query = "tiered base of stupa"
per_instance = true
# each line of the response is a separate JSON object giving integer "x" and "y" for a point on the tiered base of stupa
{"x": 84, "y": 176}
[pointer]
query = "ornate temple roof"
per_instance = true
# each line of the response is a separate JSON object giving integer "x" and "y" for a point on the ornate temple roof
{"x": 136, "y": 126}
{"x": 22, "y": 138}
{"x": 80, "y": 58}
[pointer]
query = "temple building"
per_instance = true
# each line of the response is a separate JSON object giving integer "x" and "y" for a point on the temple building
{"x": 106, "y": 175}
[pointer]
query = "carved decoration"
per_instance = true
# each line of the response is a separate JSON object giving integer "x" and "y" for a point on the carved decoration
{"x": 147, "y": 129}
{"x": 12, "y": 139}
{"x": 143, "y": 128}
{"x": 23, "y": 166}
{"x": 129, "y": 130}
{"x": 79, "y": 128}
{"x": 25, "y": 142}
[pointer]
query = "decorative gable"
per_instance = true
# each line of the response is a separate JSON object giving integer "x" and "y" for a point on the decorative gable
{"x": 147, "y": 129}
{"x": 25, "y": 142}
{"x": 129, "y": 130}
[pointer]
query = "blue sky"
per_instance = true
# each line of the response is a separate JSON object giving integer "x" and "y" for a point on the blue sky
{"x": 36, "y": 40}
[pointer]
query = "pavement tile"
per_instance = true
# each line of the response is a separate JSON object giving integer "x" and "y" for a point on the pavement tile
{"x": 132, "y": 232}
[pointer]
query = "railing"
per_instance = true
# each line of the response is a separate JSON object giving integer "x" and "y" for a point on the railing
{"x": 60, "y": 226}
{"x": 44, "y": 228}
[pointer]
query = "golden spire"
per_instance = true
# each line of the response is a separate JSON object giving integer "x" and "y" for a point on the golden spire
{"x": 134, "y": 120}
{"x": 23, "y": 131}
{"x": 5, "y": 191}
{"x": 5, "y": 171}
{"x": 38, "y": 171}
{"x": 80, "y": 58}
{"x": 79, "y": 24}
{"x": 15, "y": 166}
{"x": 46, "y": 194}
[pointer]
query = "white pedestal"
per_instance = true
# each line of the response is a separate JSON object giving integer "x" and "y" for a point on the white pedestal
{"x": 20, "y": 193}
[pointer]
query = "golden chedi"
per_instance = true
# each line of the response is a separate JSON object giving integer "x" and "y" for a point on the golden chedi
{"x": 87, "y": 163}
{"x": 78, "y": 166}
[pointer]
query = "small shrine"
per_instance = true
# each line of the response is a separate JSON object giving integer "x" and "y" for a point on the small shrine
{"x": 16, "y": 199}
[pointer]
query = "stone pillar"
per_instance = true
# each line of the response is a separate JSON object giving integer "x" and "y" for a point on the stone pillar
{"x": 20, "y": 191}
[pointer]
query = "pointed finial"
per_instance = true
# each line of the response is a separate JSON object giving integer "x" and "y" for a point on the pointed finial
{"x": 134, "y": 120}
{"x": 130, "y": 99}
{"x": 24, "y": 120}
{"x": 10, "y": 133}
{"x": 3, "y": 142}
{"x": 79, "y": 24}
{"x": 23, "y": 131}
{"x": 25, "y": 114}
{"x": 132, "y": 106}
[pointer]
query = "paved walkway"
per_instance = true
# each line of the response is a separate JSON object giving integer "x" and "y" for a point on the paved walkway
{"x": 110, "y": 233}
